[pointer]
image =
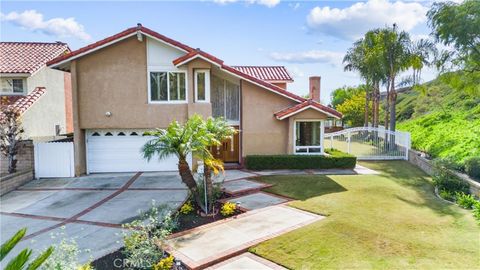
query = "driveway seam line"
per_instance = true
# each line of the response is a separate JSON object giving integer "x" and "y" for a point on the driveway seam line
{"x": 87, "y": 210}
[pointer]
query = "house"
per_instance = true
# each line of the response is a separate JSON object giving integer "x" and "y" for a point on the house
{"x": 40, "y": 94}
{"x": 138, "y": 80}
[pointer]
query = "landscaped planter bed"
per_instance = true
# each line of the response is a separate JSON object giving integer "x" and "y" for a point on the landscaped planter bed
{"x": 186, "y": 222}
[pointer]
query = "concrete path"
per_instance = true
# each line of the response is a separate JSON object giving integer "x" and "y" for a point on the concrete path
{"x": 215, "y": 242}
{"x": 89, "y": 209}
{"x": 246, "y": 261}
{"x": 257, "y": 200}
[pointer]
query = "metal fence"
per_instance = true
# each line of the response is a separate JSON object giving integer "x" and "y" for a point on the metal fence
{"x": 369, "y": 143}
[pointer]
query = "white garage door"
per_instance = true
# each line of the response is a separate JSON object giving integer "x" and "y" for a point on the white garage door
{"x": 120, "y": 151}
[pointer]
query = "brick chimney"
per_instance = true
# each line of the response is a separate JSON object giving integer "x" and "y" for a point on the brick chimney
{"x": 315, "y": 88}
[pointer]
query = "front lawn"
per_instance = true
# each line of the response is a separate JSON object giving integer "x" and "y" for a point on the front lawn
{"x": 390, "y": 220}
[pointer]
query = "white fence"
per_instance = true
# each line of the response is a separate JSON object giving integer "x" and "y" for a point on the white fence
{"x": 54, "y": 159}
{"x": 369, "y": 143}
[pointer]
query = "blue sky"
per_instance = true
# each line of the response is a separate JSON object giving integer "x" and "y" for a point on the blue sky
{"x": 309, "y": 38}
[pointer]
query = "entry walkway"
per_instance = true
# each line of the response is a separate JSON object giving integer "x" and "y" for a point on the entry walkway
{"x": 206, "y": 245}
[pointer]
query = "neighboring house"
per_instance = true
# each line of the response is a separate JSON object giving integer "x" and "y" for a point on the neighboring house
{"x": 40, "y": 94}
{"x": 139, "y": 79}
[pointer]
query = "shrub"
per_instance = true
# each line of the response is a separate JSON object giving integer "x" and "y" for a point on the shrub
{"x": 66, "y": 255}
{"x": 335, "y": 160}
{"x": 228, "y": 209}
{"x": 145, "y": 237}
{"x": 186, "y": 208}
{"x": 466, "y": 201}
{"x": 472, "y": 167}
{"x": 445, "y": 180}
{"x": 164, "y": 264}
{"x": 476, "y": 211}
{"x": 447, "y": 195}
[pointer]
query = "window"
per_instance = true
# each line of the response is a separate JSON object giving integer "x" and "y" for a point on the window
{"x": 167, "y": 86}
{"x": 308, "y": 137}
{"x": 225, "y": 99}
{"x": 13, "y": 86}
{"x": 202, "y": 85}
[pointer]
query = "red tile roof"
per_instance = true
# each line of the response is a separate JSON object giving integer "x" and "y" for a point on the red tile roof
{"x": 266, "y": 73}
{"x": 28, "y": 57}
{"x": 22, "y": 104}
{"x": 285, "y": 113}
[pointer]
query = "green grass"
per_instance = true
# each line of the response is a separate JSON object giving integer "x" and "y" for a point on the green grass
{"x": 386, "y": 221}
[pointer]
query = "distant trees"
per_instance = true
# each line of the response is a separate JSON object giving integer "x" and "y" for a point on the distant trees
{"x": 458, "y": 26}
{"x": 353, "y": 109}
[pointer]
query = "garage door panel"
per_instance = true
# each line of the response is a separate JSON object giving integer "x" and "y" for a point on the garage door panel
{"x": 123, "y": 154}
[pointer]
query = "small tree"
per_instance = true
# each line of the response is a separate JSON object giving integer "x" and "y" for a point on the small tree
{"x": 10, "y": 135}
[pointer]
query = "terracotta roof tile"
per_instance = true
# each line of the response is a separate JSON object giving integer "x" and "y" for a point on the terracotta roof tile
{"x": 28, "y": 57}
{"x": 299, "y": 107}
{"x": 266, "y": 73}
{"x": 22, "y": 104}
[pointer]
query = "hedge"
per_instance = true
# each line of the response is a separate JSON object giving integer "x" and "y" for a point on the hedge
{"x": 335, "y": 160}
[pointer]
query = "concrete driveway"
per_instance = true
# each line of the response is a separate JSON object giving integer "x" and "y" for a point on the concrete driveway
{"x": 89, "y": 209}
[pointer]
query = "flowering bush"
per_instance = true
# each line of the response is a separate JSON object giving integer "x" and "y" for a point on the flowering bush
{"x": 228, "y": 209}
{"x": 164, "y": 264}
{"x": 144, "y": 237}
{"x": 187, "y": 208}
{"x": 66, "y": 255}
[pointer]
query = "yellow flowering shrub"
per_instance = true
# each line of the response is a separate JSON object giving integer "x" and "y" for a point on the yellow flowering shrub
{"x": 164, "y": 264}
{"x": 186, "y": 208}
{"x": 228, "y": 209}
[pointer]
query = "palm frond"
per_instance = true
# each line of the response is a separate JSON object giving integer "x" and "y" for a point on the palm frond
{"x": 11, "y": 243}
{"x": 40, "y": 259}
{"x": 19, "y": 261}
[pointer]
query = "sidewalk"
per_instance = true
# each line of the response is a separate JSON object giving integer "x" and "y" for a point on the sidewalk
{"x": 215, "y": 242}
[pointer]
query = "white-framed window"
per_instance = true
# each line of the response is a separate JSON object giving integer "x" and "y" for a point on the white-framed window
{"x": 308, "y": 137}
{"x": 167, "y": 86}
{"x": 15, "y": 86}
{"x": 202, "y": 85}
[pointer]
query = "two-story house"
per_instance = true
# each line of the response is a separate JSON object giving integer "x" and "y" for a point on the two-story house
{"x": 138, "y": 80}
{"x": 40, "y": 94}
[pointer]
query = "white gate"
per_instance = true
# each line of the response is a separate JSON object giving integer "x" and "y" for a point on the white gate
{"x": 54, "y": 159}
{"x": 369, "y": 143}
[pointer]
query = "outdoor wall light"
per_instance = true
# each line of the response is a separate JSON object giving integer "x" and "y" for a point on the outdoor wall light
{"x": 108, "y": 114}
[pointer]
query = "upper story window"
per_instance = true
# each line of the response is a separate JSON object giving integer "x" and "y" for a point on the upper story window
{"x": 202, "y": 85}
{"x": 168, "y": 86}
{"x": 225, "y": 100}
{"x": 13, "y": 86}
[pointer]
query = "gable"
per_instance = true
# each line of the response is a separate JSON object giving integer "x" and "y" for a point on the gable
{"x": 160, "y": 54}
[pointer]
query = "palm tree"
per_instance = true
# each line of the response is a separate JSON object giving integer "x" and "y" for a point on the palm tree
{"x": 181, "y": 141}
{"x": 218, "y": 130}
{"x": 396, "y": 55}
{"x": 195, "y": 138}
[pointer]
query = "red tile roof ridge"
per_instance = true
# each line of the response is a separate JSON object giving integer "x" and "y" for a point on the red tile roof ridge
{"x": 309, "y": 102}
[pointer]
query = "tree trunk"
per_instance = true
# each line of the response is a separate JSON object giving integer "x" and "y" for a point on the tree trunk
{"x": 207, "y": 173}
{"x": 376, "y": 104}
{"x": 393, "y": 119}
{"x": 187, "y": 179}
{"x": 387, "y": 105}
{"x": 367, "y": 100}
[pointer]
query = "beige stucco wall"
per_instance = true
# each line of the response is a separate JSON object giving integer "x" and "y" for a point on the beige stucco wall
{"x": 262, "y": 133}
{"x": 114, "y": 80}
{"x": 49, "y": 110}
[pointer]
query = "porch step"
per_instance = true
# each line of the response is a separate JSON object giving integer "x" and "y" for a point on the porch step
{"x": 243, "y": 186}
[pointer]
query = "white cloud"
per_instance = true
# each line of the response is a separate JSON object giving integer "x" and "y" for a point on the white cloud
{"x": 312, "y": 56}
{"x": 353, "y": 21}
{"x": 294, "y": 6}
{"x": 296, "y": 72}
{"x": 33, "y": 21}
{"x": 268, "y": 3}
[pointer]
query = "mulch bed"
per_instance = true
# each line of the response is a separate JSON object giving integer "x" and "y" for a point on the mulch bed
{"x": 185, "y": 222}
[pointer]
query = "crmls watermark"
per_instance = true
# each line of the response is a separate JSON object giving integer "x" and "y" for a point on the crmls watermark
{"x": 126, "y": 263}
{"x": 123, "y": 263}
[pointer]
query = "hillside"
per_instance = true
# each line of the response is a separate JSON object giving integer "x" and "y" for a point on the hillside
{"x": 443, "y": 122}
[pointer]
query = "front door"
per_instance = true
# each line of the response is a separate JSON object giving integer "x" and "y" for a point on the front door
{"x": 229, "y": 150}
